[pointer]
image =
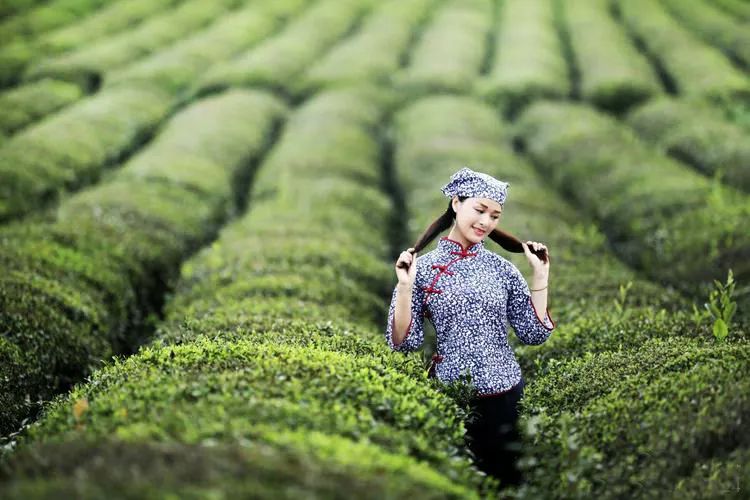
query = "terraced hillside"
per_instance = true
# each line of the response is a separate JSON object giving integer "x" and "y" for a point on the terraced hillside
{"x": 201, "y": 204}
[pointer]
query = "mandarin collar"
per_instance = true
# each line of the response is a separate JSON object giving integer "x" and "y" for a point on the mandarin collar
{"x": 447, "y": 245}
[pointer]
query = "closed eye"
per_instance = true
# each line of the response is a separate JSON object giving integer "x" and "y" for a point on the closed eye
{"x": 494, "y": 217}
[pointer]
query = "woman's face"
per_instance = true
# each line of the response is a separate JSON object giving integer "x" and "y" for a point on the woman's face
{"x": 476, "y": 217}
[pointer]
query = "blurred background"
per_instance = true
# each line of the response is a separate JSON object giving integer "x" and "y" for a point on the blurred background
{"x": 201, "y": 204}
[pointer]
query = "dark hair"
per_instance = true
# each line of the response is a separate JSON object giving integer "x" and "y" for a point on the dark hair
{"x": 502, "y": 238}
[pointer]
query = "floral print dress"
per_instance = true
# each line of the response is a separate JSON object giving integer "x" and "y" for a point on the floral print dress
{"x": 470, "y": 295}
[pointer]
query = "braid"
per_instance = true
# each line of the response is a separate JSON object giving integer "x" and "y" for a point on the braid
{"x": 438, "y": 226}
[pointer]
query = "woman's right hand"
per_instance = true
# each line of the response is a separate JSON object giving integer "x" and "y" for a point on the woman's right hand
{"x": 408, "y": 272}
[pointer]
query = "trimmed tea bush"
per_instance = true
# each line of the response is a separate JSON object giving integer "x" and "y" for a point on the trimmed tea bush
{"x": 88, "y": 65}
{"x": 450, "y": 52}
{"x": 233, "y": 392}
{"x": 12, "y": 7}
{"x": 737, "y": 8}
{"x": 698, "y": 135}
{"x": 375, "y": 52}
{"x": 613, "y": 75}
{"x": 80, "y": 288}
{"x": 45, "y": 17}
{"x": 25, "y": 104}
{"x": 216, "y": 377}
{"x": 692, "y": 67}
{"x": 109, "y": 20}
{"x": 72, "y": 148}
{"x": 661, "y": 216}
{"x": 714, "y": 26}
{"x": 280, "y": 59}
{"x": 611, "y": 328}
{"x": 641, "y": 421}
{"x": 287, "y": 465}
{"x": 528, "y": 61}
{"x": 182, "y": 64}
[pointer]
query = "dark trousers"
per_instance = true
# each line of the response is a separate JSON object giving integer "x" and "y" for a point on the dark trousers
{"x": 493, "y": 436}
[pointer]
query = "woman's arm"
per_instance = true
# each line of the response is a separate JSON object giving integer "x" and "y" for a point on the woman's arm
{"x": 403, "y": 318}
{"x": 405, "y": 329}
{"x": 539, "y": 288}
{"x": 531, "y": 322}
{"x": 527, "y": 308}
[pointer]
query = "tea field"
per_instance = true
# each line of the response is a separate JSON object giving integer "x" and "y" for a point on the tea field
{"x": 201, "y": 204}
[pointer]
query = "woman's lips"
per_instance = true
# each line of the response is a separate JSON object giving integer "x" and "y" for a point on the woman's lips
{"x": 478, "y": 232}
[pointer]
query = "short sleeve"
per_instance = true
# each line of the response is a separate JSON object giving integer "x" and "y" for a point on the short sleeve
{"x": 522, "y": 315}
{"x": 415, "y": 333}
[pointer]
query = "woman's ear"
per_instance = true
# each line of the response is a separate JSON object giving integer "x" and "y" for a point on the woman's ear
{"x": 455, "y": 203}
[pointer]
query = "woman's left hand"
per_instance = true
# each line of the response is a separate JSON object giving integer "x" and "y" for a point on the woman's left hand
{"x": 540, "y": 267}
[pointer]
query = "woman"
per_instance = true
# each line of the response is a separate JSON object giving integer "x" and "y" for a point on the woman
{"x": 468, "y": 293}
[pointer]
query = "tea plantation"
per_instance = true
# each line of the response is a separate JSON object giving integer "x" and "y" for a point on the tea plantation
{"x": 201, "y": 204}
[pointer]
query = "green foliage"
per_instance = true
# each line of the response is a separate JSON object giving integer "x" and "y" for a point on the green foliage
{"x": 279, "y": 59}
{"x": 98, "y": 26}
{"x": 692, "y": 66}
{"x": 580, "y": 459}
{"x": 449, "y": 54}
{"x": 720, "y": 308}
{"x": 28, "y": 103}
{"x": 621, "y": 300}
{"x": 89, "y": 64}
{"x": 268, "y": 376}
{"x": 608, "y": 68}
{"x": 695, "y": 132}
{"x": 14, "y": 7}
{"x": 183, "y": 63}
{"x": 245, "y": 383}
{"x": 265, "y": 333}
{"x": 528, "y": 61}
{"x": 713, "y": 26}
{"x": 719, "y": 477}
{"x": 80, "y": 288}
{"x": 72, "y": 148}
{"x": 375, "y": 52}
{"x": 679, "y": 227}
{"x": 737, "y": 8}
{"x": 275, "y": 464}
{"x": 38, "y": 19}
{"x": 642, "y": 418}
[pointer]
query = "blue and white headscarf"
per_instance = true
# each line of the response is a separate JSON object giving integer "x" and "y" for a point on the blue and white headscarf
{"x": 472, "y": 184}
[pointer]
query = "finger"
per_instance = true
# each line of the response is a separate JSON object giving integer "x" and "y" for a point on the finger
{"x": 530, "y": 251}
